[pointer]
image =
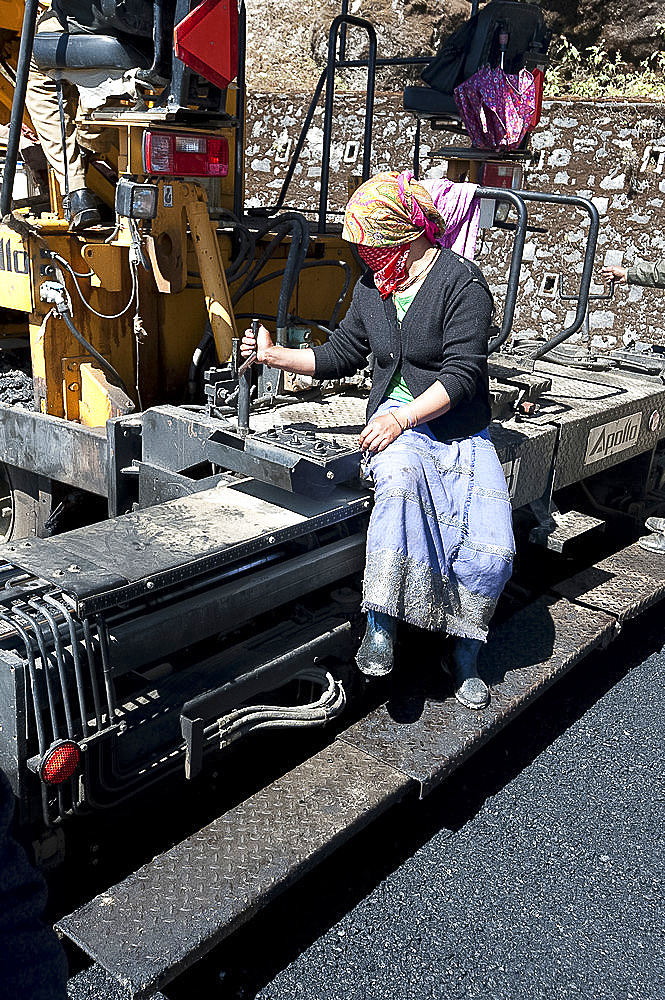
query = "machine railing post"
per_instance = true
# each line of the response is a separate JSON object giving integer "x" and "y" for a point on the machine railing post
{"x": 18, "y": 105}
{"x": 330, "y": 95}
{"x": 342, "y": 33}
{"x": 515, "y": 198}
{"x": 587, "y": 270}
{"x": 299, "y": 145}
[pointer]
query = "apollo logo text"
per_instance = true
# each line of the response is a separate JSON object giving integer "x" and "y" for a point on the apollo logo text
{"x": 610, "y": 438}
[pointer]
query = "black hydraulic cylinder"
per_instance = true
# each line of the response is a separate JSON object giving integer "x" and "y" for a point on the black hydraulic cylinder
{"x": 18, "y": 105}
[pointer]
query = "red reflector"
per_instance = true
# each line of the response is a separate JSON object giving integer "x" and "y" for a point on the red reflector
{"x": 206, "y": 40}
{"x": 60, "y": 762}
{"x": 185, "y": 155}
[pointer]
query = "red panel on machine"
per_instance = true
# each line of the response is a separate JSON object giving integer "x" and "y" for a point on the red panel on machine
{"x": 207, "y": 41}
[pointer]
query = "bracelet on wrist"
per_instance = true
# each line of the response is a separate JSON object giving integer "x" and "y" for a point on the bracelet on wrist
{"x": 411, "y": 419}
{"x": 397, "y": 421}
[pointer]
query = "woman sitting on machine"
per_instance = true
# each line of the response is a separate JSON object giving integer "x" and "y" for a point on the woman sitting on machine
{"x": 440, "y": 543}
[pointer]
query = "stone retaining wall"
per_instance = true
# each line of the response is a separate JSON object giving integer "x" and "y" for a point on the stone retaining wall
{"x": 613, "y": 153}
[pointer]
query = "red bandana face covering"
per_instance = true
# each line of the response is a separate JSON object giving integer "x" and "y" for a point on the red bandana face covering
{"x": 388, "y": 265}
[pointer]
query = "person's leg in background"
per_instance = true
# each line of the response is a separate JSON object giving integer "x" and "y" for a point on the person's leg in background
{"x": 42, "y": 104}
{"x": 32, "y": 961}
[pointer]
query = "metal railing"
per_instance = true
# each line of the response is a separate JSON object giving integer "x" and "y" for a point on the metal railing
{"x": 587, "y": 269}
{"x": 337, "y": 60}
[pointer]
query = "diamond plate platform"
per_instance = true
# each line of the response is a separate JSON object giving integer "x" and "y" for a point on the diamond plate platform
{"x": 169, "y": 913}
{"x": 425, "y": 733}
{"x": 625, "y": 584}
{"x": 337, "y": 418}
{"x": 125, "y": 557}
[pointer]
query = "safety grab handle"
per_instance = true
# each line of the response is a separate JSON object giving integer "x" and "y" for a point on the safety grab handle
{"x": 514, "y": 198}
{"x": 587, "y": 270}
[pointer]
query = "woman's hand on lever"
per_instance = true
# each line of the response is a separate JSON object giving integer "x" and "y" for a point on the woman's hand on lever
{"x": 261, "y": 344}
{"x": 288, "y": 359}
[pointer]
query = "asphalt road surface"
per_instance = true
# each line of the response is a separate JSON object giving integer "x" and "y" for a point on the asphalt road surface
{"x": 536, "y": 872}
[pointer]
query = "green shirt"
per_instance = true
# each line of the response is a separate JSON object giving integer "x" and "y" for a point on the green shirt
{"x": 397, "y": 387}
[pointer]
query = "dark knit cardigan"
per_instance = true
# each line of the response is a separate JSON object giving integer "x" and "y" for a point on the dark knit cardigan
{"x": 443, "y": 337}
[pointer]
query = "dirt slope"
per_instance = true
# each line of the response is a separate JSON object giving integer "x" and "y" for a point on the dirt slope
{"x": 288, "y": 39}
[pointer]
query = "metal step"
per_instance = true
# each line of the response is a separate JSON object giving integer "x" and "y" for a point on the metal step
{"x": 625, "y": 584}
{"x": 425, "y": 733}
{"x": 172, "y": 911}
{"x": 567, "y": 528}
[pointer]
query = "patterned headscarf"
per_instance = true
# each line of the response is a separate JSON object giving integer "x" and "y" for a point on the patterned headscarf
{"x": 390, "y": 210}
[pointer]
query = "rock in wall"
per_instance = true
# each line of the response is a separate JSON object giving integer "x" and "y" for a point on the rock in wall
{"x": 287, "y": 44}
{"x": 631, "y": 28}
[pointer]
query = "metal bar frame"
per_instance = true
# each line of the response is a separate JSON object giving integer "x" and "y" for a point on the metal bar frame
{"x": 330, "y": 95}
{"x": 515, "y": 199}
{"x": 18, "y": 105}
{"x": 587, "y": 269}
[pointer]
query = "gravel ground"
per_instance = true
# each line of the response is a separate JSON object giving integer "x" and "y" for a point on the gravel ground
{"x": 536, "y": 872}
{"x": 16, "y": 387}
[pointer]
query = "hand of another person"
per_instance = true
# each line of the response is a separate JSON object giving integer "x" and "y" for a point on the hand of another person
{"x": 613, "y": 272}
{"x": 262, "y": 343}
{"x": 380, "y": 432}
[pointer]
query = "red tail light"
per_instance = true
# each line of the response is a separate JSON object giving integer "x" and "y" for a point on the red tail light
{"x": 185, "y": 155}
{"x": 60, "y": 762}
{"x": 502, "y": 174}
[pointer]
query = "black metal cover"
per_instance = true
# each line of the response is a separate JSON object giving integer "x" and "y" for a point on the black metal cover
{"x": 128, "y": 556}
{"x": 58, "y": 449}
{"x": 172, "y": 911}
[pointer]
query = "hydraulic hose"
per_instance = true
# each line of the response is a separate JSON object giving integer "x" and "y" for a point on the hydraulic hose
{"x": 250, "y": 718}
{"x": 198, "y": 358}
{"x": 311, "y": 264}
{"x": 245, "y": 269}
{"x": 105, "y": 365}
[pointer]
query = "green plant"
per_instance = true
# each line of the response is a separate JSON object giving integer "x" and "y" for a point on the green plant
{"x": 597, "y": 73}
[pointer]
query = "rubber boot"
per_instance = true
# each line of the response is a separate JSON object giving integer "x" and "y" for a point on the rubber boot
{"x": 376, "y": 653}
{"x": 83, "y": 209}
{"x": 470, "y": 689}
{"x": 655, "y": 542}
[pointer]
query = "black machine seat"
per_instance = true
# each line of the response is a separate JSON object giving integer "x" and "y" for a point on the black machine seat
{"x": 428, "y": 103}
{"x": 477, "y": 44}
{"x": 58, "y": 50}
